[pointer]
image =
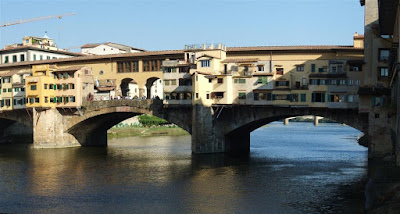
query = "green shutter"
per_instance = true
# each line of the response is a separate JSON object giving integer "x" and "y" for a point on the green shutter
{"x": 312, "y": 67}
{"x": 255, "y": 96}
{"x": 329, "y": 98}
{"x": 55, "y": 99}
{"x": 323, "y": 97}
{"x": 273, "y": 97}
{"x": 313, "y": 97}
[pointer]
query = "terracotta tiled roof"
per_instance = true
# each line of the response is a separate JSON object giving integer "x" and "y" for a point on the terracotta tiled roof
{"x": 293, "y": 48}
{"x": 93, "y": 45}
{"x": 240, "y": 60}
{"x": 41, "y": 49}
{"x": 72, "y": 68}
{"x": 97, "y": 57}
{"x": 8, "y": 74}
{"x": 105, "y": 88}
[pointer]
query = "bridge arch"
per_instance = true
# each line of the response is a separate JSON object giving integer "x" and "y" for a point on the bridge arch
{"x": 16, "y": 126}
{"x": 231, "y": 126}
{"x": 91, "y": 128}
{"x": 153, "y": 87}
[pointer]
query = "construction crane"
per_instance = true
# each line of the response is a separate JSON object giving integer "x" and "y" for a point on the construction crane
{"x": 22, "y": 21}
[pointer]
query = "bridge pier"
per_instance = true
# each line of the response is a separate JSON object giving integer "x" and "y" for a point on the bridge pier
{"x": 286, "y": 121}
{"x": 49, "y": 130}
{"x": 316, "y": 120}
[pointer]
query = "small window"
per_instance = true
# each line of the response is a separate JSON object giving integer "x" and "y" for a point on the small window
{"x": 6, "y": 59}
{"x": 384, "y": 72}
{"x": 36, "y": 99}
{"x": 33, "y": 87}
{"x": 197, "y": 95}
{"x": 205, "y": 63}
{"x": 242, "y": 95}
{"x": 208, "y": 96}
{"x": 210, "y": 80}
{"x": 14, "y": 58}
{"x": 279, "y": 71}
{"x": 45, "y": 86}
{"x": 220, "y": 80}
{"x": 383, "y": 54}
{"x": 260, "y": 68}
{"x": 22, "y": 57}
{"x": 300, "y": 68}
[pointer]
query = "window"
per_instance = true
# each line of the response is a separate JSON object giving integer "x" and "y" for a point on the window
{"x": 16, "y": 89}
{"x": 48, "y": 57}
{"x": 242, "y": 95}
{"x": 173, "y": 82}
{"x": 50, "y": 86}
{"x": 4, "y": 90}
{"x": 36, "y": 99}
{"x": 260, "y": 68}
{"x": 318, "y": 97}
{"x": 45, "y": 86}
{"x": 355, "y": 66}
{"x": 303, "y": 97}
{"x": 323, "y": 69}
{"x": 6, "y": 60}
{"x": 209, "y": 80}
{"x": 207, "y": 96}
{"x": 384, "y": 71}
{"x": 46, "y": 100}
{"x": 152, "y": 65}
{"x": 41, "y": 57}
{"x": 14, "y": 58}
{"x": 205, "y": 63}
{"x": 260, "y": 96}
{"x": 101, "y": 72}
{"x": 281, "y": 83}
{"x": 356, "y": 82}
{"x": 342, "y": 82}
{"x": 72, "y": 99}
{"x": 34, "y": 57}
{"x": 383, "y": 54}
{"x": 300, "y": 68}
{"x": 262, "y": 80}
{"x": 22, "y": 57}
{"x": 377, "y": 101}
{"x": 72, "y": 86}
{"x": 312, "y": 67}
{"x": 9, "y": 90}
{"x": 33, "y": 87}
{"x": 31, "y": 100}
{"x": 166, "y": 82}
{"x": 27, "y": 41}
{"x": 279, "y": 71}
{"x": 350, "y": 98}
{"x": 220, "y": 80}
{"x": 217, "y": 95}
{"x": 197, "y": 95}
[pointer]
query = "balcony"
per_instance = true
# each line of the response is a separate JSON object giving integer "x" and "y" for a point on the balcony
{"x": 298, "y": 87}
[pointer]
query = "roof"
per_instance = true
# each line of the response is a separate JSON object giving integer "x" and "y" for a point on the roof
{"x": 96, "y": 57}
{"x": 8, "y": 74}
{"x": 294, "y": 48}
{"x": 359, "y": 37}
{"x": 72, "y": 68}
{"x": 241, "y": 60}
{"x": 111, "y": 44}
{"x": 105, "y": 88}
{"x": 12, "y": 49}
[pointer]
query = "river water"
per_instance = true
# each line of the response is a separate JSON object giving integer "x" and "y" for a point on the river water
{"x": 299, "y": 168}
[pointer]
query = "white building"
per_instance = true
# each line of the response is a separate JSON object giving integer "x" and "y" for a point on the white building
{"x": 108, "y": 48}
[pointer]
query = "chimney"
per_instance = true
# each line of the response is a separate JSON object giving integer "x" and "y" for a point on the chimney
{"x": 358, "y": 40}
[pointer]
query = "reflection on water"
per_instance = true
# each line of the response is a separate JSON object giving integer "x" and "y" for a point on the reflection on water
{"x": 291, "y": 169}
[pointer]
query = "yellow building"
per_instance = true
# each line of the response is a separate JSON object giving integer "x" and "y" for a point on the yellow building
{"x": 41, "y": 87}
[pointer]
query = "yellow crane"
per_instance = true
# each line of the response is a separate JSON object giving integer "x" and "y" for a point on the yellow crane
{"x": 22, "y": 21}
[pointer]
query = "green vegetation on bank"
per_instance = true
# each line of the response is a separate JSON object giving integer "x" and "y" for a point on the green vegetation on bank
{"x": 148, "y": 126}
{"x": 132, "y": 131}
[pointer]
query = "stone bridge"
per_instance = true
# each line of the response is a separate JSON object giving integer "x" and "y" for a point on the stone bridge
{"x": 219, "y": 128}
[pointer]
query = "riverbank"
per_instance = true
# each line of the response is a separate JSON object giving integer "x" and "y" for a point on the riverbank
{"x": 139, "y": 131}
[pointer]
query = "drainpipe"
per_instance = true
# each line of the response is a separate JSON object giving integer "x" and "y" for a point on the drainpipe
{"x": 270, "y": 61}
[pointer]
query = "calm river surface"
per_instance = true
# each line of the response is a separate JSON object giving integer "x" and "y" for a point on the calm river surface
{"x": 298, "y": 168}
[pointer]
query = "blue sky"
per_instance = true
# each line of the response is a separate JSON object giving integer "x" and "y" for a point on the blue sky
{"x": 170, "y": 24}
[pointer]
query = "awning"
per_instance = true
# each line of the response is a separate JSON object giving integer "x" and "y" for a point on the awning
{"x": 105, "y": 88}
